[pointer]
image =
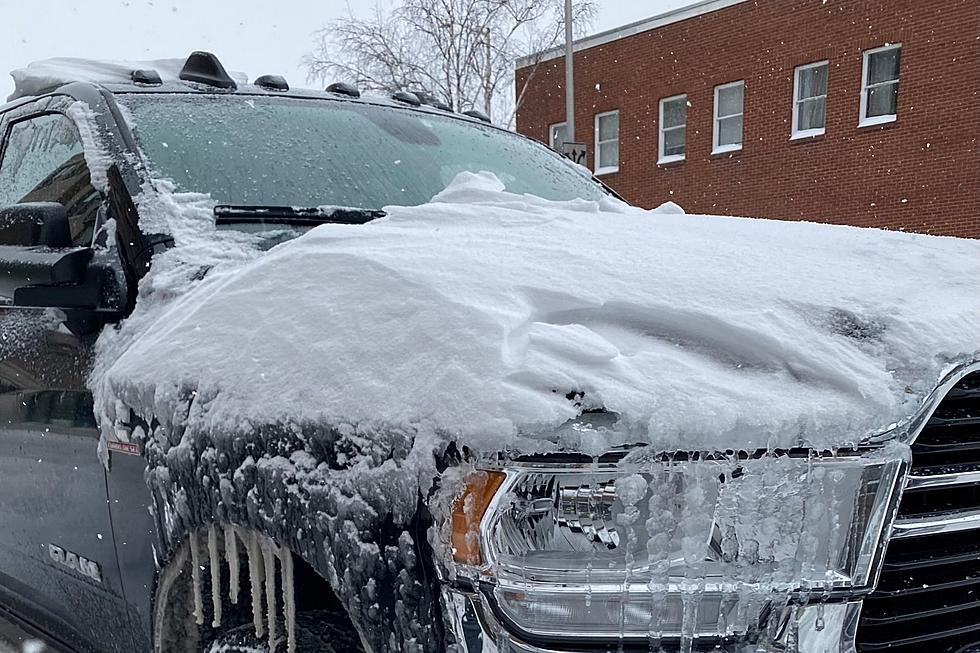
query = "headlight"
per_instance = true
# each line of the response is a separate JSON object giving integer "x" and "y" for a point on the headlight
{"x": 699, "y": 546}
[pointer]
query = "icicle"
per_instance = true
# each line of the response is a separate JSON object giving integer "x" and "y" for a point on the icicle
{"x": 690, "y": 603}
{"x": 231, "y": 555}
{"x": 288, "y": 598}
{"x": 215, "y": 561}
{"x": 629, "y": 491}
{"x": 255, "y": 582}
{"x": 793, "y": 633}
{"x": 593, "y": 498}
{"x": 777, "y": 605}
{"x": 268, "y": 557}
{"x": 196, "y": 577}
{"x": 819, "y": 624}
{"x": 660, "y": 538}
{"x": 503, "y": 641}
{"x": 588, "y": 581}
{"x": 190, "y": 622}
{"x": 700, "y": 494}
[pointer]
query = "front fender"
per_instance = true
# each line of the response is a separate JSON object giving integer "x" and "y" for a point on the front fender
{"x": 349, "y": 507}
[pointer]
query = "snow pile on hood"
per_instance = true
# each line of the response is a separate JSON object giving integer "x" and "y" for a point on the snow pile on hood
{"x": 495, "y": 318}
{"x": 40, "y": 76}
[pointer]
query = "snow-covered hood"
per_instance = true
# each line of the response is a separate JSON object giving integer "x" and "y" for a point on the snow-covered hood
{"x": 495, "y": 318}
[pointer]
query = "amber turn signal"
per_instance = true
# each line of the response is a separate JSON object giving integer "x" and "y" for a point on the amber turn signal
{"x": 468, "y": 512}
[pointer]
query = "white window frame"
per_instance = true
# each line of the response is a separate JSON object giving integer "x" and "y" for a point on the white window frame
{"x": 715, "y": 148}
{"x": 661, "y": 157}
{"x": 808, "y": 133}
{"x": 551, "y": 133}
{"x": 865, "y": 121}
{"x": 608, "y": 170}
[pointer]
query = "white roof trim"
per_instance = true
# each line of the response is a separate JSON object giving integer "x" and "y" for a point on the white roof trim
{"x": 645, "y": 25}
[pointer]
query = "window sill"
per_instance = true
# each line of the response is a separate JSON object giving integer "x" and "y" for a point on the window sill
{"x": 877, "y": 120}
{"x": 673, "y": 158}
{"x": 601, "y": 172}
{"x": 808, "y": 133}
{"x": 726, "y": 149}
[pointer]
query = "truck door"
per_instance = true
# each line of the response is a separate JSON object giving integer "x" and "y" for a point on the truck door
{"x": 58, "y": 566}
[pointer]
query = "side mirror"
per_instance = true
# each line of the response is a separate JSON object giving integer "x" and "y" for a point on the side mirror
{"x": 39, "y": 267}
{"x": 37, "y": 223}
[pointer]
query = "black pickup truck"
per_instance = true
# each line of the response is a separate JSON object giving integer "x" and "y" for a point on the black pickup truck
{"x": 97, "y": 554}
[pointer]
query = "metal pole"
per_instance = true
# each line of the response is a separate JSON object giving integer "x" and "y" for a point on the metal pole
{"x": 569, "y": 76}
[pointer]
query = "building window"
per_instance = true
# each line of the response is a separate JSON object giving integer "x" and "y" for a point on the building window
{"x": 673, "y": 129}
{"x": 810, "y": 100}
{"x": 879, "y": 85}
{"x": 557, "y": 136}
{"x": 607, "y": 143}
{"x": 729, "y": 99}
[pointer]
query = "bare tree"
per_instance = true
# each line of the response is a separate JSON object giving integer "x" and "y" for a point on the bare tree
{"x": 461, "y": 52}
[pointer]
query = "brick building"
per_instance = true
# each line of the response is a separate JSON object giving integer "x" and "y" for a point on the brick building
{"x": 862, "y": 112}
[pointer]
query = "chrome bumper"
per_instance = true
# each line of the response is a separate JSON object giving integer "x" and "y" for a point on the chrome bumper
{"x": 829, "y": 628}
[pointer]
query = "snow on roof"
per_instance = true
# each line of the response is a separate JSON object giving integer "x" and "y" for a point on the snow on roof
{"x": 41, "y": 76}
{"x": 475, "y": 315}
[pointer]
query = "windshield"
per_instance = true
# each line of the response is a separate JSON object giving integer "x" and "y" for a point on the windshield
{"x": 268, "y": 151}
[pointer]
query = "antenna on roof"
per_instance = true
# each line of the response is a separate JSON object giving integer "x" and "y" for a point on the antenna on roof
{"x": 204, "y": 68}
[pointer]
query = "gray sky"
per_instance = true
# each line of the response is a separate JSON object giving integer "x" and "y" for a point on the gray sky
{"x": 253, "y": 36}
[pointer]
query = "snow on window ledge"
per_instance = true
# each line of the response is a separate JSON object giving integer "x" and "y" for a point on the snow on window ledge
{"x": 606, "y": 171}
{"x": 672, "y": 158}
{"x": 724, "y": 149}
{"x": 807, "y": 133}
{"x": 877, "y": 120}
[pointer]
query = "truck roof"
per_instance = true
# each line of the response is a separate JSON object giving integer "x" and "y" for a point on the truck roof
{"x": 201, "y": 72}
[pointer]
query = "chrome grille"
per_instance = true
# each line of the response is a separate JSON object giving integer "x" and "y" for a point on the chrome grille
{"x": 928, "y": 595}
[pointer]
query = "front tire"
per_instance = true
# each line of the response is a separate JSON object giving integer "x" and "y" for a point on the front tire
{"x": 220, "y": 578}
{"x": 316, "y": 631}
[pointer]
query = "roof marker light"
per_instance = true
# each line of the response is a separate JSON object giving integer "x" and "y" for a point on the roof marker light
{"x": 343, "y": 88}
{"x": 407, "y": 98}
{"x": 439, "y": 104}
{"x": 479, "y": 115}
{"x": 146, "y": 77}
{"x": 272, "y": 82}
{"x": 204, "y": 68}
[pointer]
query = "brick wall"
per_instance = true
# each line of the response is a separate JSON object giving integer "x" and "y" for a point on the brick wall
{"x": 920, "y": 173}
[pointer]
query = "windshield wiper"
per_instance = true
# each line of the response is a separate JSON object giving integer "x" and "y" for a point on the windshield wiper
{"x": 292, "y": 215}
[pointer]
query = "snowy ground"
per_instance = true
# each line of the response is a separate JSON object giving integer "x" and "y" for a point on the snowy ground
{"x": 15, "y": 640}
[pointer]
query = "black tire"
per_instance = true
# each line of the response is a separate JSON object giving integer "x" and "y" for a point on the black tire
{"x": 321, "y": 631}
